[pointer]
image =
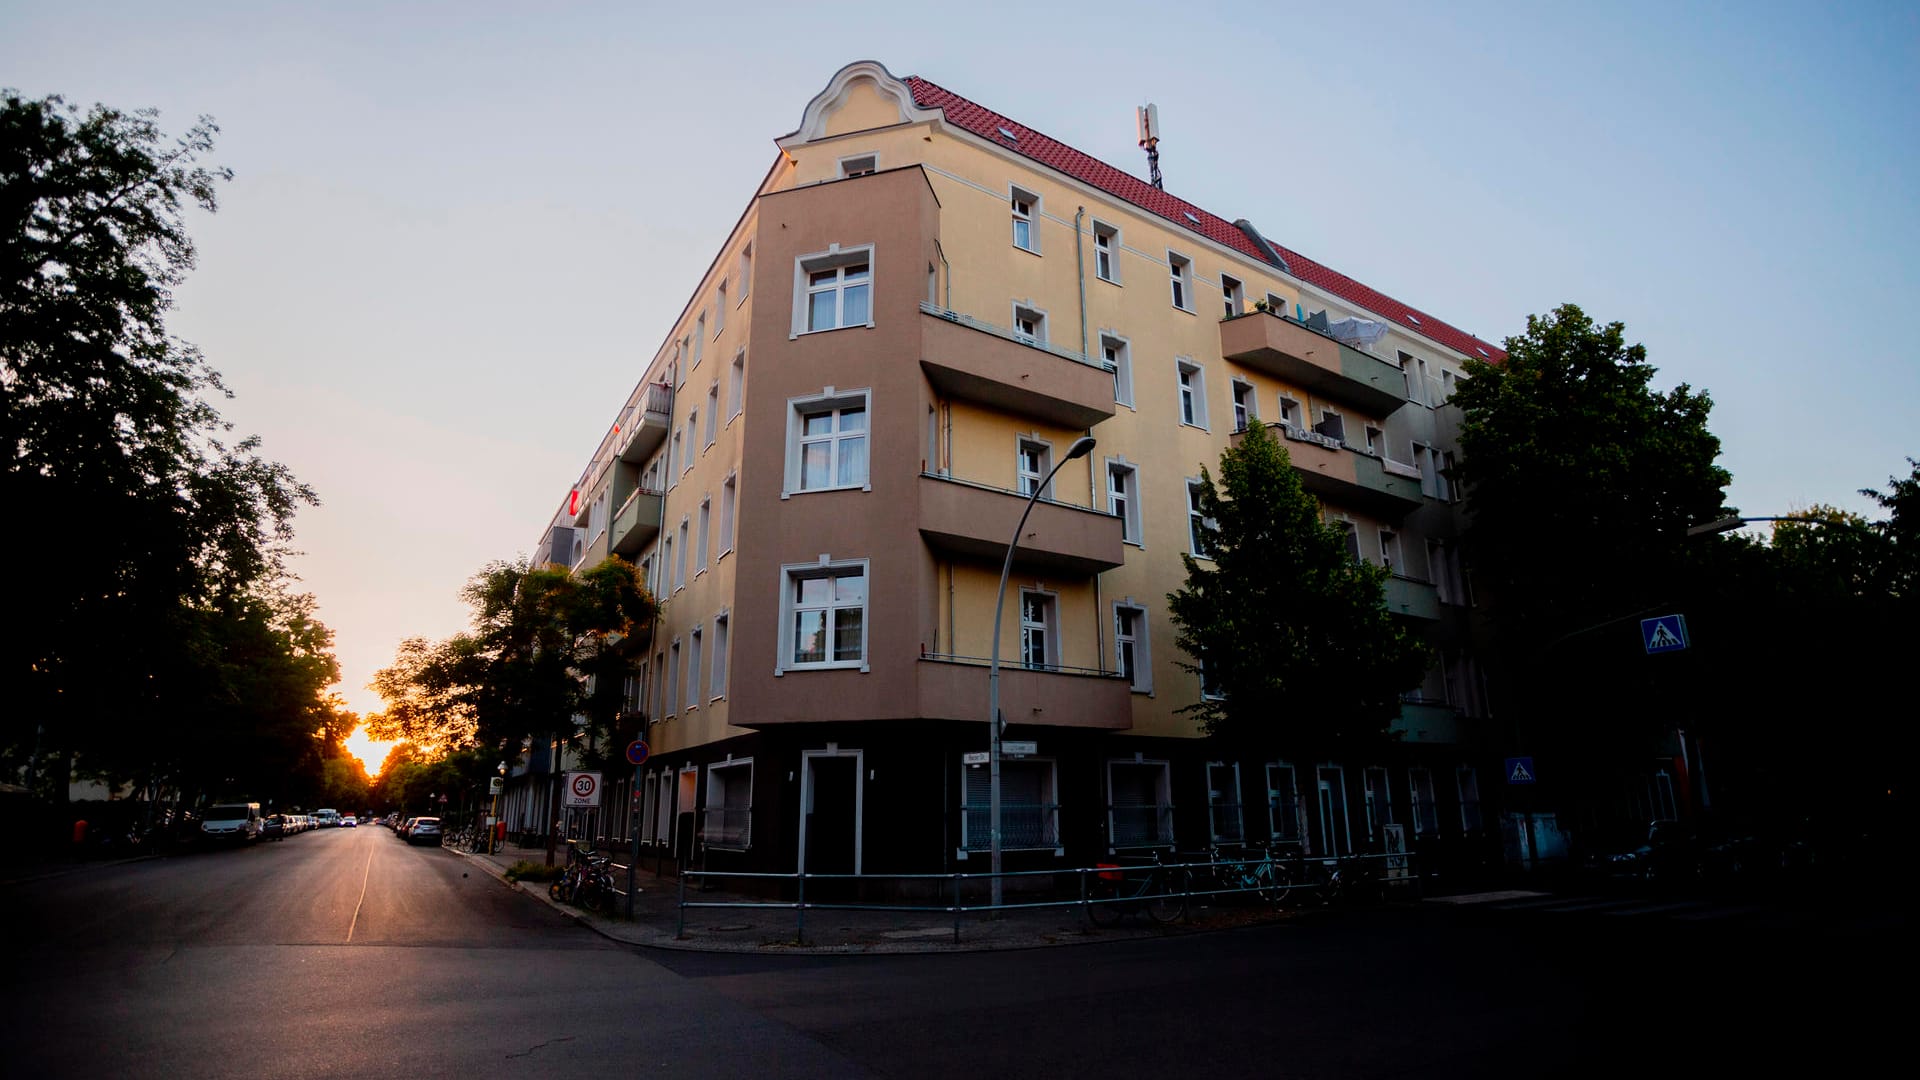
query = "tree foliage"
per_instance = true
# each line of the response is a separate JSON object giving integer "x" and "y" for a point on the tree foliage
{"x": 162, "y": 644}
{"x": 1289, "y": 628}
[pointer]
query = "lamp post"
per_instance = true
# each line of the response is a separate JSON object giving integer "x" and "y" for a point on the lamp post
{"x": 493, "y": 804}
{"x": 1728, "y": 524}
{"x": 1080, "y": 448}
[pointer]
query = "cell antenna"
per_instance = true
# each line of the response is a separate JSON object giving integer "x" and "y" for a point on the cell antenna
{"x": 1150, "y": 140}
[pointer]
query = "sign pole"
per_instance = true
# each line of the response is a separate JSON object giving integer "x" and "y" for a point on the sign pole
{"x": 633, "y": 834}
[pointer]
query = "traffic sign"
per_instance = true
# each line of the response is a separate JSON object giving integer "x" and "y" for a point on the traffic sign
{"x": 1668, "y": 633}
{"x": 443, "y": 800}
{"x": 1520, "y": 770}
{"x": 637, "y": 752}
{"x": 583, "y": 789}
{"x": 976, "y": 757}
{"x": 496, "y": 784}
{"x": 1021, "y": 748}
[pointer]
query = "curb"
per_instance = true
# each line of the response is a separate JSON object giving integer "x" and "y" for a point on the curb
{"x": 80, "y": 869}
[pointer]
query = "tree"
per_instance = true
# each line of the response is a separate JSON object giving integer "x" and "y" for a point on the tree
{"x": 1283, "y": 622}
{"x": 106, "y": 415}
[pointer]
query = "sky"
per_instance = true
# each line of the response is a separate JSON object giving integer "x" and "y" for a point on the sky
{"x": 458, "y": 232}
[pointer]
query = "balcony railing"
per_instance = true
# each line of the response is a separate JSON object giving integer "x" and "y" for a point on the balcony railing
{"x": 644, "y": 426}
{"x": 1412, "y": 597}
{"x": 636, "y": 523}
{"x": 1284, "y": 347}
{"x": 976, "y": 520}
{"x": 967, "y": 358}
{"x": 1344, "y": 475}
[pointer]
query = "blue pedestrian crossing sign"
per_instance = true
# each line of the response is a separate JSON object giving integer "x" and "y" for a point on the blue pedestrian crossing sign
{"x": 1520, "y": 770}
{"x": 1668, "y": 633}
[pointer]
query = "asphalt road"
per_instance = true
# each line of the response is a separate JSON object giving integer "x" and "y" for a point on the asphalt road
{"x": 347, "y": 953}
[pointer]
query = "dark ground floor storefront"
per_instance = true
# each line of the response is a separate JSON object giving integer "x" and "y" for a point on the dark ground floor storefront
{"x": 902, "y": 797}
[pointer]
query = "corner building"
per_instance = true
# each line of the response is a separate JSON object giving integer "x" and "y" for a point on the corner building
{"x": 923, "y": 307}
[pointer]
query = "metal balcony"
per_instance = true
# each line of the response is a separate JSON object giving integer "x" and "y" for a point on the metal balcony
{"x": 977, "y": 361}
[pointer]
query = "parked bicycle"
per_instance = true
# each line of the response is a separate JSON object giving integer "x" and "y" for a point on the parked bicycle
{"x": 587, "y": 881}
{"x": 1115, "y": 891}
{"x": 1269, "y": 877}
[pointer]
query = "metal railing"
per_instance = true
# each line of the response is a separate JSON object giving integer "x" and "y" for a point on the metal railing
{"x": 1314, "y": 878}
{"x": 1017, "y": 665}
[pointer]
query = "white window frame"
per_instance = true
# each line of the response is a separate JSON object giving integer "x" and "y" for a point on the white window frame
{"x": 834, "y": 258}
{"x": 718, "y": 787}
{"x": 686, "y": 459}
{"x": 1180, "y": 280}
{"x": 1131, "y": 519}
{"x": 1431, "y": 826}
{"x": 1140, "y": 639}
{"x": 722, "y": 643}
{"x": 826, "y": 567}
{"x": 1379, "y": 804}
{"x": 674, "y": 450}
{"x": 1290, "y": 410}
{"x": 1110, "y": 252}
{"x": 1233, "y": 295}
{"x": 672, "y": 705}
{"x": 1278, "y": 835}
{"x": 713, "y": 417}
{"x": 1216, "y": 804}
{"x": 853, "y": 165}
{"x": 1328, "y": 412}
{"x": 1162, "y": 806}
{"x": 1025, "y": 313}
{"x": 970, "y": 844}
{"x": 705, "y": 535}
{"x": 1192, "y": 396}
{"x": 1464, "y": 777}
{"x": 1048, "y": 626}
{"x": 1118, "y": 351}
{"x": 1025, "y": 207}
{"x": 680, "y": 557}
{"x": 719, "y": 309}
{"x": 1246, "y": 411}
{"x": 736, "y": 386}
{"x": 745, "y": 275}
{"x": 1025, "y": 481}
{"x": 828, "y": 400}
{"x": 1390, "y": 553}
{"x": 1195, "y": 517}
{"x": 729, "y": 507}
{"x": 1336, "y": 837}
{"x": 690, "y": 690}
{"x": 1214, "y": 694}
{"x": 699, "y": 340}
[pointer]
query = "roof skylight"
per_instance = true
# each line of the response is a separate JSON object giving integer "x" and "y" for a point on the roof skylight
{"x": 1008, "y": 135}
{"x": 1190, "y": 216}
{"x": 1412, "y": 318}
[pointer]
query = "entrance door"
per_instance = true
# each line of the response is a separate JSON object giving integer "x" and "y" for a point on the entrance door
{"x": 830, "y": 813}
{"x": 1335, "y": 839}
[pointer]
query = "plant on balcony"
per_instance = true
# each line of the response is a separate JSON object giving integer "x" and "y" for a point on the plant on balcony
{"x": 1291, "y": 631}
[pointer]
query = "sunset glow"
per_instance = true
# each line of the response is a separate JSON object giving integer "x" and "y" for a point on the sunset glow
{"x": 371, "y": 752}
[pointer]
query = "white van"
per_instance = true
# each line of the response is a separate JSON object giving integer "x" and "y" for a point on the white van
{"x": 235, "y": 822}
{"x": 326, "y": 819}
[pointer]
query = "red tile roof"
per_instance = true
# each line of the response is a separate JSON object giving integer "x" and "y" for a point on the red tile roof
{"x": 1057, "y": 155}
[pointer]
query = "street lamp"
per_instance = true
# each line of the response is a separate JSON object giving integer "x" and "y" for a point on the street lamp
{"x": 1728, "y": 524}
{"x": 1080, "y": 448}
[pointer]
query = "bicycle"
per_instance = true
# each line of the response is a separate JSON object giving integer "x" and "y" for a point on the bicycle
{"x": 1267, "y": 877}
{"x": 587, "y": 881}
{"x": 1116, "y": 891}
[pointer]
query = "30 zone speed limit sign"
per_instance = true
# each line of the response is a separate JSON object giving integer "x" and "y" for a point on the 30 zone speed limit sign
{"x": 583, "y": 789}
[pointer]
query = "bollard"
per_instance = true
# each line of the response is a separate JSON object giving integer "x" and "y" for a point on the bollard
{"x": 680, "y": 921}
{"x": 956, "y": 909}
{"x": 1085, "y": 909}
{"x": 800, "y": 910}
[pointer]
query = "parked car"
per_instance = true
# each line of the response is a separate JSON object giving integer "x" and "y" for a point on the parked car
{"x": 425, "y": 830}
{"x": 276, "y": 827}
{"x": 405, "y": 826}
{"x": 237, "y": 823}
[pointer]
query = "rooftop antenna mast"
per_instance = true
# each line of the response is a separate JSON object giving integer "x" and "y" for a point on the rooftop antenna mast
{"x": 1150, "y": 140}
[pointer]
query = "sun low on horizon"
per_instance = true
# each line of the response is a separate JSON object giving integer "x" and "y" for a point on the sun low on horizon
{"x": 371, "y": 752}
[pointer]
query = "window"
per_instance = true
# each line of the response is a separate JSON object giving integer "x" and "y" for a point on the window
{"x": 746, "y": 272}
{"x": 1351, "y": 535}
{"x": 1139, "y": 804}
{"x": 1428, "y": 462}
{"x": 1180, "y": 269}
{"x": 737, "y": 385}
{"x": 693, "y": 424}
{"x": 827, "y": 443}
{"x": 663, "y": 816}
{"x": 1446, "y": 386}
{"x": 1035, "y": 461}
{"x": 858, "y": 165}
{"x": 706, "y": 519}
{"x": 728, "y": 492}
{"x": 1029, "y": 810}
{"x": 693, "y": 669}
{"x": 1123, "y": 499}
{"x": 1210, "y": 688}
{"x": 1284, "y": 812}
{"x": 1114, "y": 351}
{"x": 1029, "y": 324}
{"x": 1390, "y": 551}
{"x": 1026, "y": 213}
{"x": 1336, "y": 833}
{"x": 1467, "y": 783}
{"x": 1130, "y": 652}
{"x": 679, "y": 354}
{"x": 1106, "y": 252}
{"x": 720, "y": 309}
{"x": 666, "y": 565}
{"x": 713, "y": 414}
{"x": 1332, "y": 425}
{"x": 838, "y": 290}
{"x": 673, "y": 679}
{"x": 1198, "y": 524}
{"x": 1277, "y": 304}
{"x": 680, "y": 562}
{"x": 1375, "y": 440}
{"x": 699, "y": 340}
{"x": 1039, "y": 640}
{"x": 1193, "y": 393}
{"x": 1224, "y": 819}
{"x": 727, "y": 818}
{"x": 1443, "y": 476}
{"x": 673, "y": 477}
{"x": 1289, "y": 411}
{"x": 825, "y": 616}
{"x": 1379, "y": 801}
{"x": 1246, "y": 405}
{"x": 649, "y": 799}
{"x": 1233, "y": 295}
{"x": 717, "y": 683}
{"x": 1426, "y": 814}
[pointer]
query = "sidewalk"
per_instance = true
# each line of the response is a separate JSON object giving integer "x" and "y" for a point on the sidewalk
{"x": 838, "y": 932}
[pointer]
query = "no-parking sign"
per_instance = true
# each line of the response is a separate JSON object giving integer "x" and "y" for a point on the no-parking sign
{"x": 583, "y": 789}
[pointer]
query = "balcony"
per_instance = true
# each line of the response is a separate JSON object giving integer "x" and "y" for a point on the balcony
{"x": 1313, "y": 361}
{"x": 1413, "y": 598}
{"x": 644, "y": 427}
{"x": 975, "y": 521}
{"x": 1338, "y": 474}
{"x": 977, "y": 361}
{"x": 636, "y": 523}
{"x": 1428, "y": 722}
{"x": 955, "y": 688}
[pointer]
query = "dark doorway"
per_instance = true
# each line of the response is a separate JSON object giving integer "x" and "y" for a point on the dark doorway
{"x": 832, "y": 825}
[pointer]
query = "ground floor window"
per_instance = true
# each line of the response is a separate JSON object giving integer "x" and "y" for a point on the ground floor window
{"x": 1139, "y": 804}
{"x": 1468, "y": 783}
{"x": 1283, "y": 804}
{"x": 1379, "y": 803}
{"x": 1335, "y": 833}
{"x": 1223, "y": 803}
{"x": 727, "y": 822}
{"x": 1029, "y": 810}
{"x": 1426, "y": 815}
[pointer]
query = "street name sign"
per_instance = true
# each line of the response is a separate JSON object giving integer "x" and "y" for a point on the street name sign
{"x": 1668, "y": 633}
{"x": 1013, "y": 748}
{"x": 975, "y": 757}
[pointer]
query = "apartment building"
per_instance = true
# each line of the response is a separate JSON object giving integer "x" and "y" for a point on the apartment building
{"x": 925, "y": 304}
